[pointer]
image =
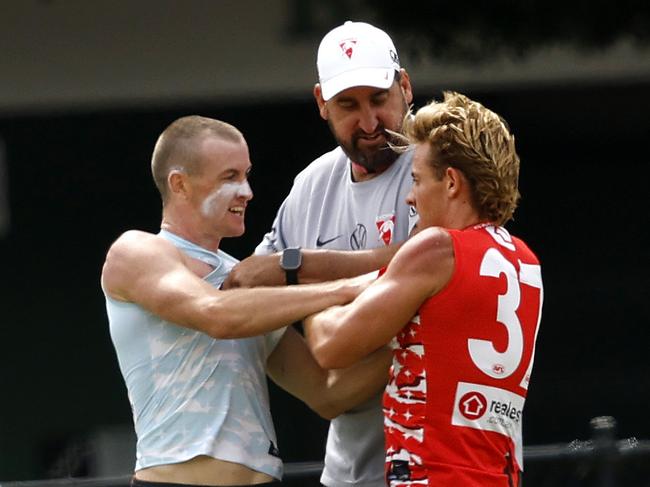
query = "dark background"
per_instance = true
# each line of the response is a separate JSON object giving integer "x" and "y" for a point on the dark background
{"x": 79, "y": 176}
{"x": 78, "y": 181}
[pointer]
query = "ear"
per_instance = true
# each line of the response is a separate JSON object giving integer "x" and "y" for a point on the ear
{"x": 455, "y": 182}
{"x": 405, "y": 85}
{"x": 322, "y": 105}
{"x": 178, "y": 183}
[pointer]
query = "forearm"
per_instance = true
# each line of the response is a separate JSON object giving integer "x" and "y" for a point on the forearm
{"x": 347, "y": 388}
{"x": 326, "y": 265}
{"x": 317, "y": 266}
{"x": 242, "y": 313}
{"x": 327, "y": 392}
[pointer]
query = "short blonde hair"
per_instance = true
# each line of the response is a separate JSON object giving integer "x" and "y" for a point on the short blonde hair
{"x": 177, "y": 147}
{"x": 465, "y": 135}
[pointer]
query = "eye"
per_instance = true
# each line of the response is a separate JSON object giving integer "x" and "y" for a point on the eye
{"x": 380, "y": 98}
{"x": 230, "y": 175}
{"x": 346, "y": 104}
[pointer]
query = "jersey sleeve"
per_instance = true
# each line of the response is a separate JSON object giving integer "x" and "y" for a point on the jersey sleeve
{"x": 274, "y": 241}
{"x": 286, "y": 225}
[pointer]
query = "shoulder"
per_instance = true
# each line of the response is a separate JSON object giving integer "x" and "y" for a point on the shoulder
{"x": 405, "y": 159}
{"x": 523, "y": 248}
{"x": 425, "y": 262}
{"x": 402, "y": 166}
{"x": 138, "y": 244}
{"x": 132, "y": 251}
{"x": 430, "y": 240}
{"x": 426, "y": 250}
{"x": 323, "y": 166}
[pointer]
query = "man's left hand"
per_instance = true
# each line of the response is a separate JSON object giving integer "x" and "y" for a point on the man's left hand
{"x": 256, "y": 270}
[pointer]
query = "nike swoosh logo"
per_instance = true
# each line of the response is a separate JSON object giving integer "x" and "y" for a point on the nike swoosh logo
{"x": 320, "y": 243}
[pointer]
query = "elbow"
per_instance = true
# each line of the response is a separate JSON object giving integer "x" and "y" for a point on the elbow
{"x": 323, "y": 356}
{"x": 326, "y": 404}
{"x": 328, "y": 411}
{"x": 329, "y": 350}
{"x": 219, "y": 332}
{"x": 325, "y": 408}
{"x": 330, "y": 356}
{"x": 224, "y": 324}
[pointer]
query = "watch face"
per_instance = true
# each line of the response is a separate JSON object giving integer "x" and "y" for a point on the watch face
{"x": 291, "y": 259}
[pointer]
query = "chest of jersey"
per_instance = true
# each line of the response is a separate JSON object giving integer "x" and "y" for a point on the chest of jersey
{"x": 462, "y": 366}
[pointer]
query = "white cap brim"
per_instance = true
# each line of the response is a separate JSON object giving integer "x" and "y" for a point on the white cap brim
{"x": 375, "y": 77}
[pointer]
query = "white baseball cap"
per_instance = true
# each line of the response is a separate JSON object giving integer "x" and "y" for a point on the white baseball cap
{"x": 355, "y": 54}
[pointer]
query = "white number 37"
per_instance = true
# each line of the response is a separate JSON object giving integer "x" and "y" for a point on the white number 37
{"x": 500, "y": 365}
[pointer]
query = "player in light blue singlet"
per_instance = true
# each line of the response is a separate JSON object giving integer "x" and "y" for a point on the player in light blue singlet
{"x": 172, "y": 374}
{"x": 194, "y": 356}
{"x": 351, "y": 200}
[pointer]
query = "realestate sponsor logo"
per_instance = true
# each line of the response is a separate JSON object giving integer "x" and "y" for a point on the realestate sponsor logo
{"x": 488, "y": 408}
{"x": 472, "y": 405}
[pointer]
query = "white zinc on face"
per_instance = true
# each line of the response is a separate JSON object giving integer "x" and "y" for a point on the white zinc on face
{"x": 219, "y": 200}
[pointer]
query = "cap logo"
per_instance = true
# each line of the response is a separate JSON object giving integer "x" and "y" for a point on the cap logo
{"x": 347, "y": 46}
{"x": 393, "y": 56}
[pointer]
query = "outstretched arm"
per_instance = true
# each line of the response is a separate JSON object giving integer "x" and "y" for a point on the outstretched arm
{"x": 341, "y": 335}
{"x": 146, "y": 269}
{"x": 328, "y": 392}
{"x": 317, "y": 266}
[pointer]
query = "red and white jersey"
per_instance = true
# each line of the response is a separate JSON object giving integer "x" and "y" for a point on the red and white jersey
{"x": 461, "y": 368}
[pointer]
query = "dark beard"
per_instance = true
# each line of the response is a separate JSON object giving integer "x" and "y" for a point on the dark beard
{"x": 373, "y": 160}
{"x": 378, "y": 159}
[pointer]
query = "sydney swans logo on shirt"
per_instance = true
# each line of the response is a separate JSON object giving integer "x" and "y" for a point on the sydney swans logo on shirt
{"x": 386, "y": 227}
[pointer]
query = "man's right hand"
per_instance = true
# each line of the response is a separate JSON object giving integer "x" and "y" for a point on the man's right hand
{"x": 256, "y": 270}
{"x": 360, "y": 283}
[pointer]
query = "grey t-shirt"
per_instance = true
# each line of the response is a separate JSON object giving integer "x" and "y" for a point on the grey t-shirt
{"x": 326, "y": 209}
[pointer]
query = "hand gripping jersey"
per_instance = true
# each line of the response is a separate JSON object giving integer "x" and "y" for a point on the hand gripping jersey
{"x": 326, "y": 209}
{"x": 453, "y": 406}
{"x": 192, "y": 394}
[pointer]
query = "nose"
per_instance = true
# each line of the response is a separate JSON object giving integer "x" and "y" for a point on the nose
{"x": 368, "y": 119}
{"x": 410, "y": 198}
{"x": 244, "y": 191}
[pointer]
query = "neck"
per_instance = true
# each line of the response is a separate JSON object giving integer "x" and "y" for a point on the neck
{"x": 360, "y": 173}
{"x": 462, "y": 215}
{"x": 188, "y": 227}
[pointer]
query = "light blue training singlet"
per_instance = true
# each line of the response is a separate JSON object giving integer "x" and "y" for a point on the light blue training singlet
{"x": 192, "y": 394}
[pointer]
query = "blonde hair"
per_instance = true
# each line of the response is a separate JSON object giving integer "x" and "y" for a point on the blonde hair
{"x": 465, "y": 135}
{"x": 177, "y": 147}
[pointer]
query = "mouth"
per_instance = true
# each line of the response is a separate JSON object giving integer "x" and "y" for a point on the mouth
{"x": 237, "y": 210}
{"x": 375, "y": 140}
{"x": 372, "y": 137}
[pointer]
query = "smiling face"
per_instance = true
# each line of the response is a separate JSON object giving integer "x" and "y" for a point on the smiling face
{"x": 220, "y": 190}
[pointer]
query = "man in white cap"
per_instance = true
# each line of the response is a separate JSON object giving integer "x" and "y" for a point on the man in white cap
{"x": 346, "y": 213}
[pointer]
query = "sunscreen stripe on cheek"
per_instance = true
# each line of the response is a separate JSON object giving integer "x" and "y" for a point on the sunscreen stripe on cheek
{"x": 218, "y": 200}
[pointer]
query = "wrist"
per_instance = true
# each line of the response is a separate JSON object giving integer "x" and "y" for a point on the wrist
{"x": 290, "y": 262}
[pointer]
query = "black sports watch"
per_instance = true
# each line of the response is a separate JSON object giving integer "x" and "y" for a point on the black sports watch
{"x": 291, "y": 261}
